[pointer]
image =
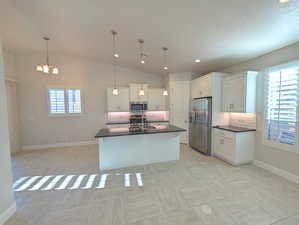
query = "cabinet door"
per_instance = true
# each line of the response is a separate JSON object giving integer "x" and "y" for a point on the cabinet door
{"x": 225, "y": 148}
{"x": 195, "y": 88}
{"x": 229, "y": 149}
{"x": 118, "y": 103}
{"x": 226, "y": 96}
{"x": 156, "y": 99}
{"x": 205, "y": 86}
{"x": 218, "y": 145}
{"x": 202, "y": 87}
{"x": 134, "y": 93}
{"x": 234, "y": 94}
{"x": 238, "y": 94}
{"x": 143, "y": 98}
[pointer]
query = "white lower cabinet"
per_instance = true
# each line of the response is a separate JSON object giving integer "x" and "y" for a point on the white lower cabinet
{"x": 235, "y": 148}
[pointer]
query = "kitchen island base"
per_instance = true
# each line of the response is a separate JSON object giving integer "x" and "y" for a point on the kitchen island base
{"x": 134, "y": 150}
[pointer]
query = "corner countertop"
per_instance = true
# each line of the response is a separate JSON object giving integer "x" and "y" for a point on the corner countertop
{"x": 234, "y": 129}
{"x": 114, "y": 132}
{"x": 127, "y": 122}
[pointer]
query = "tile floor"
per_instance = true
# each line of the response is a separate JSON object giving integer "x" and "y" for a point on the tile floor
{"x": 196, "y": 190}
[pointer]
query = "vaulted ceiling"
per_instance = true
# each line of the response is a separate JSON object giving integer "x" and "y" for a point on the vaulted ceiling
{"x": 219, "y": 33}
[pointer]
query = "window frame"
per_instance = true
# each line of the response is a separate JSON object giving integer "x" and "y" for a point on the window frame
{"x": 66, "y": 114}
{"x": 291, "y": 148}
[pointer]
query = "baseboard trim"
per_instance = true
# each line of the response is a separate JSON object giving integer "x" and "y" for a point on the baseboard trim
{"x": 8, "y": 213}
{"x": 58, "y": 145}
{"x": 283, "y": 173}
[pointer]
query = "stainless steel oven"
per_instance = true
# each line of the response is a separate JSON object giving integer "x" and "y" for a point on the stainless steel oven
{"x": 138, "y": 106}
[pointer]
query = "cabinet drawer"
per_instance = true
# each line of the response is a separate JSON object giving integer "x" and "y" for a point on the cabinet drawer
{"x": 225, "y": 134}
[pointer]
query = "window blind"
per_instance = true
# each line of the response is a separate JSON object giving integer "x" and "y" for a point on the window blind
{"x": 74, "y": 101}
{"x": 282, "y": 104}
{"x": 56, "y": 101}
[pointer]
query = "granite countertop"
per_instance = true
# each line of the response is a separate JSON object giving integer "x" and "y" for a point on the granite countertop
{"x": 113, "y": 132}
{"x": 234, "y": 129}
{"x": 127, "y": 122}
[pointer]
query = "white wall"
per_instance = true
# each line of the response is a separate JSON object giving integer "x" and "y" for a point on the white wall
{"x": 12, "y": 103}
{"x": 92, "y": 76}
{"x": 13, "y": 116}
{"x": 172, "y": 80}
{"x": 10, "y": 65}
{"x": 278, "y": 158}
{"x": 7, "y": 205}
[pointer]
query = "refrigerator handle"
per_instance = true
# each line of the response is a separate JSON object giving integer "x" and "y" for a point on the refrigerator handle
{"x": 190, "y": 117}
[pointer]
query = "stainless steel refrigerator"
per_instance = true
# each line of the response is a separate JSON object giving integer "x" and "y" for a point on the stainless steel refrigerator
{"x": 201, "y": 125}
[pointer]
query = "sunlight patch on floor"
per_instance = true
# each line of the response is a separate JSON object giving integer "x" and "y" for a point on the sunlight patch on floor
{"x": 72, "y": 182}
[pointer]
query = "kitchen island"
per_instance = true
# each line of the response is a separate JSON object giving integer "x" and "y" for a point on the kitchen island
{"x": 120, "y": 147}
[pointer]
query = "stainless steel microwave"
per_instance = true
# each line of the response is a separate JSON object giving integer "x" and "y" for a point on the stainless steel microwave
{"x": 138, "y": 106}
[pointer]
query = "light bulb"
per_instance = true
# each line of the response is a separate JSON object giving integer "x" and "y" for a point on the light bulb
{"x": 165, "y": 92}
{"x": 46, "y": 68}
{"x": 197, "y": 60}
{"x": 141, "y": 92}
{"x": 115, "y": 91}
{"x": 39, "y": 68}
{"x": 116, "y": 55}
{"x": 165, "y": 68}
{"x": 142, "y": 62}
{"x": 55, "y": 70}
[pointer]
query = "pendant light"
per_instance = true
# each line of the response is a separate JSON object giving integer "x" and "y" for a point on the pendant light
{"x": 115, "y": 57}
{"x": 165, "y": 67}
{"x": 47, "y": 68}
{"x": 142, "y": 61}
{"x": 142, "y": 55}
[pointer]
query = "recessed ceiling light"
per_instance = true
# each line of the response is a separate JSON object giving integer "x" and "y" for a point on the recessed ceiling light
{"x": 197, "y": 60}
{"x": 116, "y": 55}
{"x": 283, "y": 1}
{"x": 165, "y": 68}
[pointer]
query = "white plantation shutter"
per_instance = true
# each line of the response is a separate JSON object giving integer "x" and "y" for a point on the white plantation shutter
{"x": 64, "y": 101}
{"x": 282, "y": 104}
{"x": 74, "y": 101}
{"x": 56, "y": 101}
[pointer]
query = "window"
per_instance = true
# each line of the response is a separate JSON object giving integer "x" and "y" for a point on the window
{"x": 64, "y": 101}
{"x": 282, "y": 105}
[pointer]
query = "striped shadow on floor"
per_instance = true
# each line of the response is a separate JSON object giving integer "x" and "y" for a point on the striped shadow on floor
{"x": 76, "y": 182}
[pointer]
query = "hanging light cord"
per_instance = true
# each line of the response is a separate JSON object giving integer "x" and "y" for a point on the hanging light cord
{"x": 141, "y": 49}
{"x": 165, "y": 56}
{"x": 47, "y": 50}
{"x": 114, "y": 58}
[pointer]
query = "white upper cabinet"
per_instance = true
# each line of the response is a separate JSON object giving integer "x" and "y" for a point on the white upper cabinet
{"x": 202, "y": 87}
{"x": 156, "y": 100}
{"x": 134, "y": 92}
{"x": 239, "y": 93}
{"x": 120, "y": 102}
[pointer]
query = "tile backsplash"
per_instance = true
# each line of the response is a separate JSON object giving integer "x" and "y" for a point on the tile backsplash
{"x": 150, "y": 115}
{"x": 247, "y": 120}
{"x": 157, "y": 115}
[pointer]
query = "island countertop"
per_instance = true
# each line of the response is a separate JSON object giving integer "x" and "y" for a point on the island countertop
{"x": 124, "y": 131}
